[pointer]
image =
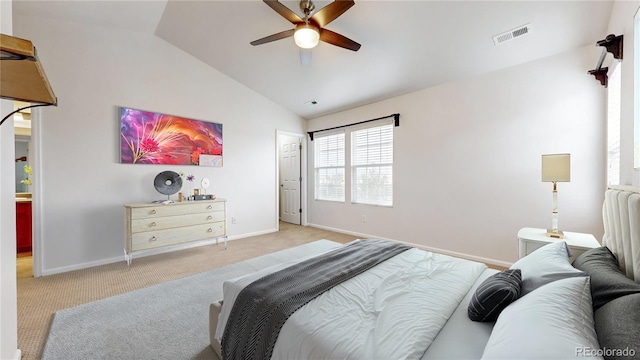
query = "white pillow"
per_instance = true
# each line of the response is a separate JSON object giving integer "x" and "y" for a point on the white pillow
{"x": 553, "y": 322}
{"x": 544, "y": 265}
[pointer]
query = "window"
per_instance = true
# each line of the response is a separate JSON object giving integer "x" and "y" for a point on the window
{"x": 367, "y": 151}
{"x": 636, "y": 97}
{"x": 613, "y": 125}
{"x": 372, "y": 165}
{"x": 329, "y": 167}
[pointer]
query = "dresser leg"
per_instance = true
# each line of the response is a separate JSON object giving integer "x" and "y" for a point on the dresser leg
{"x": 225, "y": 241}
{"x": 127, "y": 257}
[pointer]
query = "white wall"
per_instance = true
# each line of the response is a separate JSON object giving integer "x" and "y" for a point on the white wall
{"x": 621, "y": 23}
{"x": 94, "y": 70}
{"x": 467, "y": 159}
{"x": 8, "y": 303}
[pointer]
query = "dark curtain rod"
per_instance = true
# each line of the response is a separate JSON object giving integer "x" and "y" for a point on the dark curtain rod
{"x": 396, "y": 118}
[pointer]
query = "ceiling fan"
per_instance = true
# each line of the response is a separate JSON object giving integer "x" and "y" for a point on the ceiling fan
{"x": 310, "y": 30}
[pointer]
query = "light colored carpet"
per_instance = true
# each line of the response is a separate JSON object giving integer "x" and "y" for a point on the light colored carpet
{"x": 39, "y": 298}
{"x": 165, "y": 321}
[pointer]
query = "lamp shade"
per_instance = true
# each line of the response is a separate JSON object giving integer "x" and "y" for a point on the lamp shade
{"x": 306, "y": 36}
{"x": 556, "y": 168}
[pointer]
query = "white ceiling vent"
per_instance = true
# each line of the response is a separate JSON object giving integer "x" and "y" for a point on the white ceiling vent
{"x": 512, "y": 34}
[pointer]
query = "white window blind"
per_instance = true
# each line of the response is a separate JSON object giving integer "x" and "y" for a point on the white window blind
{"x": 372, "y": 165}
{"x": 613, "y": 126}
{"x": 636, "y": 97}
{"x": 329, "y": 167}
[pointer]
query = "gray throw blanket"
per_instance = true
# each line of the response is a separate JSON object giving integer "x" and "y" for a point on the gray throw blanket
{"x": 262, "y": 307}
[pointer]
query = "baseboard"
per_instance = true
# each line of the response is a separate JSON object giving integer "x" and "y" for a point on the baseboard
{"x": 63, "y": 269}
{"x": 423, "y": 247}
{"x": 137, "y": 255}
{"x": 18, "y": 355}
{"x": 264, "y": 232}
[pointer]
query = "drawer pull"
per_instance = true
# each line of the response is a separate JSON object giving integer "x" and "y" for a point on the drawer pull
{"x": 209, "y": 217}
{"x": 153, "y": 238}
{"x": 209, "y": 230}
{"x": 209, "y": 207}
{"x": 152, "y": 212}
{"x": 152, "y": 224}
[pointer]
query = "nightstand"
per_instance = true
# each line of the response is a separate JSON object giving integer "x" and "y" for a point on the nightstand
{"x": 530, "y": 239}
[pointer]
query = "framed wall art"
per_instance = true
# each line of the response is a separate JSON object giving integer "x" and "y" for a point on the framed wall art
{"x": 152, "y": 138}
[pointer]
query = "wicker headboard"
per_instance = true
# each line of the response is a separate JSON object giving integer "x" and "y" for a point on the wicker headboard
{"x": 621, "y": 216}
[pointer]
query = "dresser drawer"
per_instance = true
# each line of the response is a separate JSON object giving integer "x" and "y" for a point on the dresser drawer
{"x": 145, "y": 212}
{"x": 167, "y": 222}
{"x": 159, "y": 238}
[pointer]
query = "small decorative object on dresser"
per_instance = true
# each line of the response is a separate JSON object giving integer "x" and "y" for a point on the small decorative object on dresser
{"x": 205, "y": 184}
{"x": 530, "y": 239}
{"x": 167, "y": 183}
{"x": 150, "y": 226}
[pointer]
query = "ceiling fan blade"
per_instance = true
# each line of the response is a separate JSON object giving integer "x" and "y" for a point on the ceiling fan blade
{"x": 305, "y": 56}
{"x": 274, "y": 37}
{"x": 336, "y": 39}
{"x": 330, "y": 12}
{"x": 284, "y": 11}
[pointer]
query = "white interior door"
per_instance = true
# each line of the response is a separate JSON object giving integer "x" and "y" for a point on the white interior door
{"x": 290, "y": 178}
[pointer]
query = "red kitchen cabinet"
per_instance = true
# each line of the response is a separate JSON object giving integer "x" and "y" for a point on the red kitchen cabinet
{"x": 23, "y": 226}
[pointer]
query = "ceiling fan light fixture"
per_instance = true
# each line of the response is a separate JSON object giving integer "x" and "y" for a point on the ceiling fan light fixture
{"x": 306, "y": 36}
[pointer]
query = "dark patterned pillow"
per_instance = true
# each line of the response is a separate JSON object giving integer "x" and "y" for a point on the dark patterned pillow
{"x": 494, "y": 294}
{"x": 607, "y": 280}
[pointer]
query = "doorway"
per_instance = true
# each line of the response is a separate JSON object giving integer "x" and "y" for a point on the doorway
{"x": 23, "y": 181}
{"x": 290, "y": 179}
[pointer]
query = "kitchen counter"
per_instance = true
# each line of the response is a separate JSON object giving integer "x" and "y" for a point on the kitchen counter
{"x": 23, "y": 197}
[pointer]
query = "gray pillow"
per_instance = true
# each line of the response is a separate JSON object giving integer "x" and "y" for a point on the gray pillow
{"x": 546, "y": 264}
{"x": 495, "y": 294}
{"x": 618, "y": 328}
{"x": 608, "y": 282}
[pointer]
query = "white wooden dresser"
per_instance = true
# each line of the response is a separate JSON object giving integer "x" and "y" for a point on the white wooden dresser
{"x": 152, "y": 226}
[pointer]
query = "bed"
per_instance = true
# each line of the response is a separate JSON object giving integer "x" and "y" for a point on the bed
{"x": 421, "y": 305}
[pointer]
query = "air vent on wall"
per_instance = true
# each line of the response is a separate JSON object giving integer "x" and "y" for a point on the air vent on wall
{"x": 512, "y": 34}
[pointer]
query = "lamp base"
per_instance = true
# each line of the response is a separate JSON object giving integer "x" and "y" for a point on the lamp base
{"x": 555, "y": 234}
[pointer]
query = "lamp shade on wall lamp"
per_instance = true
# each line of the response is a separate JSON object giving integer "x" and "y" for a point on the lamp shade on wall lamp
{"x": 306, "y": 36}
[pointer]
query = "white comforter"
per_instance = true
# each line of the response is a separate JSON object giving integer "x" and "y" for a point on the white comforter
{"x": 392, "y": 311}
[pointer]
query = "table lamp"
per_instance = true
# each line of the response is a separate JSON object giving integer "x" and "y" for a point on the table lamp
{"x": 556, "y": 168}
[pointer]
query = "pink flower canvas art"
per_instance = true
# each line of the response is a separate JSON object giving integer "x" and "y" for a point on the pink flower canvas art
{"x": 151, "y": 138}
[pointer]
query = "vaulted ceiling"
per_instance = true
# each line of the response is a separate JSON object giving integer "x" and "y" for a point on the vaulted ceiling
{"x": 406, "y": 45}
